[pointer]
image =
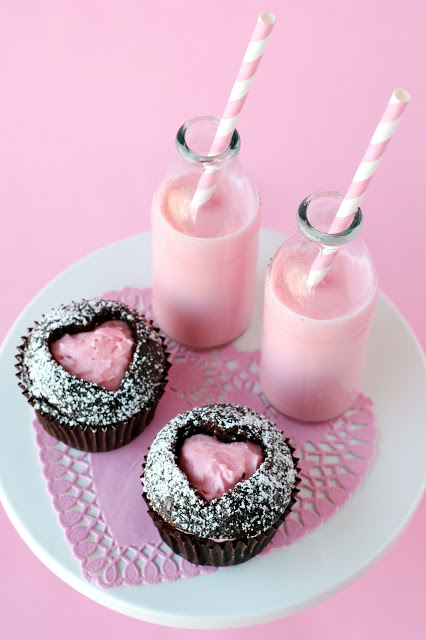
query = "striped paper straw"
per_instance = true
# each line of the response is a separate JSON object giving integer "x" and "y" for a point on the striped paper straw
{"x": 371, "y": 160}
{"x": 225, "y": 130}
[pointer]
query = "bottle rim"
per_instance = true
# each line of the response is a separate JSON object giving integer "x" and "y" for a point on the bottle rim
{"x": 199, "y": 160}
{"x": 321, "y": 237}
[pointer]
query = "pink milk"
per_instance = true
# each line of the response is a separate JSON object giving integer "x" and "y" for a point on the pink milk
{"x": 203, "y": 286}
{"x": 315, "y": 339}
{"x": 204, "y": 263}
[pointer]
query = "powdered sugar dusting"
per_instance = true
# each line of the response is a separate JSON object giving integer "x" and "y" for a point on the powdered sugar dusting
{"x": 251, "y": 506}
{"x": 74, "y": 401}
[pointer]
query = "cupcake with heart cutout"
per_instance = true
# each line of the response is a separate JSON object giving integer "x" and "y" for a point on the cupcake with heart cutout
{"x": 94, "y": 372}
{"x": 218, "y": 481}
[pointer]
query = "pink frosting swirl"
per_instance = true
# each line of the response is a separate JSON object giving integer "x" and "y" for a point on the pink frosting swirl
{"x": 100, "y": 356}
{"x": 213, "y": 467}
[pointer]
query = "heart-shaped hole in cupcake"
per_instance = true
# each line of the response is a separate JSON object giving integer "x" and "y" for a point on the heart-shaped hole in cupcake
{"x": 101, "y": 355}
{"x": 214, "y": 467}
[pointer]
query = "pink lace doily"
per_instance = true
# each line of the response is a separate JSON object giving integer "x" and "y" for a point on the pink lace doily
{"x": 98, "y": 496}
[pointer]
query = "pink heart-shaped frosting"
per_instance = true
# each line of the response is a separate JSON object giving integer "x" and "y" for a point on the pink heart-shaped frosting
{"x": 214, "y": 467}
{"x": 100, "y": 356}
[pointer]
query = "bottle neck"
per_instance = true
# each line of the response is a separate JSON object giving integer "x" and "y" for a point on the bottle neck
{"x": 317, "y": 212}
{"x": 233, "y": 203}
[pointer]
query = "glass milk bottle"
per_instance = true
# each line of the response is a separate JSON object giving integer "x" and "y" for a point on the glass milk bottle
{"x": 315, "y": 337}
{"x": 204, "y": 262}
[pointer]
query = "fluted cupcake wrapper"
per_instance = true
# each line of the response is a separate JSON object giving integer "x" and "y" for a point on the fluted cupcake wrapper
{"x": 99, "y": 439}
{"x": 205, "y": 551}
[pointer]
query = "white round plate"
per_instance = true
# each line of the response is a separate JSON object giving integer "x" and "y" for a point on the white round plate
{"x": 285, "y": 581}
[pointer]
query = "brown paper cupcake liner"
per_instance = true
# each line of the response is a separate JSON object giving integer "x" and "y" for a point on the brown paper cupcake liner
{"x": 100, "y": 439}
{"x": 204, "y": 551}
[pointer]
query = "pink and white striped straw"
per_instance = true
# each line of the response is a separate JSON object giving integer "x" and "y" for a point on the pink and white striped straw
{"x": 371, "y": 160}
{"x": 251, "y": 60}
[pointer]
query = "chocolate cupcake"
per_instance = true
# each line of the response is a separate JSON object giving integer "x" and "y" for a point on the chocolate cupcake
{"x": 94, "y": 372}
{"x": 229, "y": 516}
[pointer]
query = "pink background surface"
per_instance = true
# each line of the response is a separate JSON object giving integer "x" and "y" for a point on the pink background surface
{"x": 92, "y": 95}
